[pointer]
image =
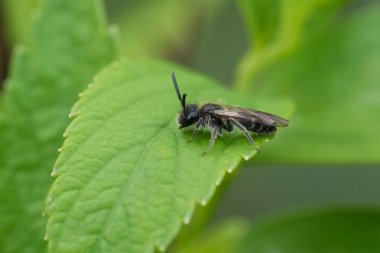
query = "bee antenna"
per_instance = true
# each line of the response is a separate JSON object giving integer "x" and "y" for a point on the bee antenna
{"x": 183, "y": 98}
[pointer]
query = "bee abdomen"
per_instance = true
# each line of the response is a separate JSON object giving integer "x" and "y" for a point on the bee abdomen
{"x": 267, "y": 130}
{"x": 260, "y": 128}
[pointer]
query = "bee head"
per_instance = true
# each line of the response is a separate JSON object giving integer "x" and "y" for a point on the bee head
{"x": 188, "y": 116}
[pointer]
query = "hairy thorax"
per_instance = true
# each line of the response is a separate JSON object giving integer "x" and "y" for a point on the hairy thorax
{"x": 206, "y": 108}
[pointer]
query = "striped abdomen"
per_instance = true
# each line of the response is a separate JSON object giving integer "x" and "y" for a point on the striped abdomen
{"x": 259, "y": 128}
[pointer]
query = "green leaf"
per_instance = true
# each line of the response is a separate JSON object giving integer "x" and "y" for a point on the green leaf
{"x": 201, "y": 217}
{"x": 162, "y": 28}
{"x": 262, "y": 18}
{"x": 346, "y": 230}
{"x": 126, "y": 178}
{"x": 278, "y": 28}
{"x": 16, "y": 17}
{"x": 69, "y": 43}
{"x": 224, "y": 238}
{"x": 335, "y": 82}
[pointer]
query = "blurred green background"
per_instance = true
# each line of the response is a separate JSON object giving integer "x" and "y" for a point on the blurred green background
{"x": 325, "y": 55}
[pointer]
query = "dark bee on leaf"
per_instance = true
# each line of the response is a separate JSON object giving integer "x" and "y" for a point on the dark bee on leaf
{"x": 219, "y": 117}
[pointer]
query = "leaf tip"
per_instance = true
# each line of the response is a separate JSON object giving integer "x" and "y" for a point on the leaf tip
{"x": 188, "y": 216}
{"x": 49, "y": 200}
{"x": 248, "y": 156}
{"x": 73, "y": 114}
{"x": 161, "y": 248}
{"x": 219, "y": 179}
{"x": 208, "y": 196}
{"x": 231, "y": 169}
{"x": 65, "y": 134}
{"x": 54, "y": 172}
{"x": 203, "y": 202}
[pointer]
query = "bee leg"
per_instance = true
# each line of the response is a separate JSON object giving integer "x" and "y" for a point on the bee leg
{"x": 196, "y": 129}
{"x": 214, "y": 134}
{"x": 246, "y": 133}
{"x": 194, "y": 134}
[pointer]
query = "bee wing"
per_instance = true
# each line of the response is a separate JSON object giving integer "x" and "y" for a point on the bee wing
{"x": 251, "y": 115}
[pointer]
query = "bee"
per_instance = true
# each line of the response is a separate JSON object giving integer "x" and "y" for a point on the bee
{"x": 218, "y": 117}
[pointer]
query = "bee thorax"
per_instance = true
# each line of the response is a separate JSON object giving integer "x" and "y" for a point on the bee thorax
{"x": 208, "y": 108}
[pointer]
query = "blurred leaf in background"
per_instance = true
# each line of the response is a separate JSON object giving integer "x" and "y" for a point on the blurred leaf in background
{"x": 16, "y": 16}
{"x": 222, "y": 238}
{"x": 14, "y": 23}
{"x": 277, "y": 28}
{"x": 324, "y": 54}
{"x": 334, "y": 80}
{"x": 68, "y": 44}
{"x": 342, "y": 229}
{"x": 348, "y": 230}
{"x": 166, "y": 28}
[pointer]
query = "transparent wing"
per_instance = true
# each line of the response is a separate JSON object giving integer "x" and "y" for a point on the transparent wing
{"x": 251, "y": 115}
